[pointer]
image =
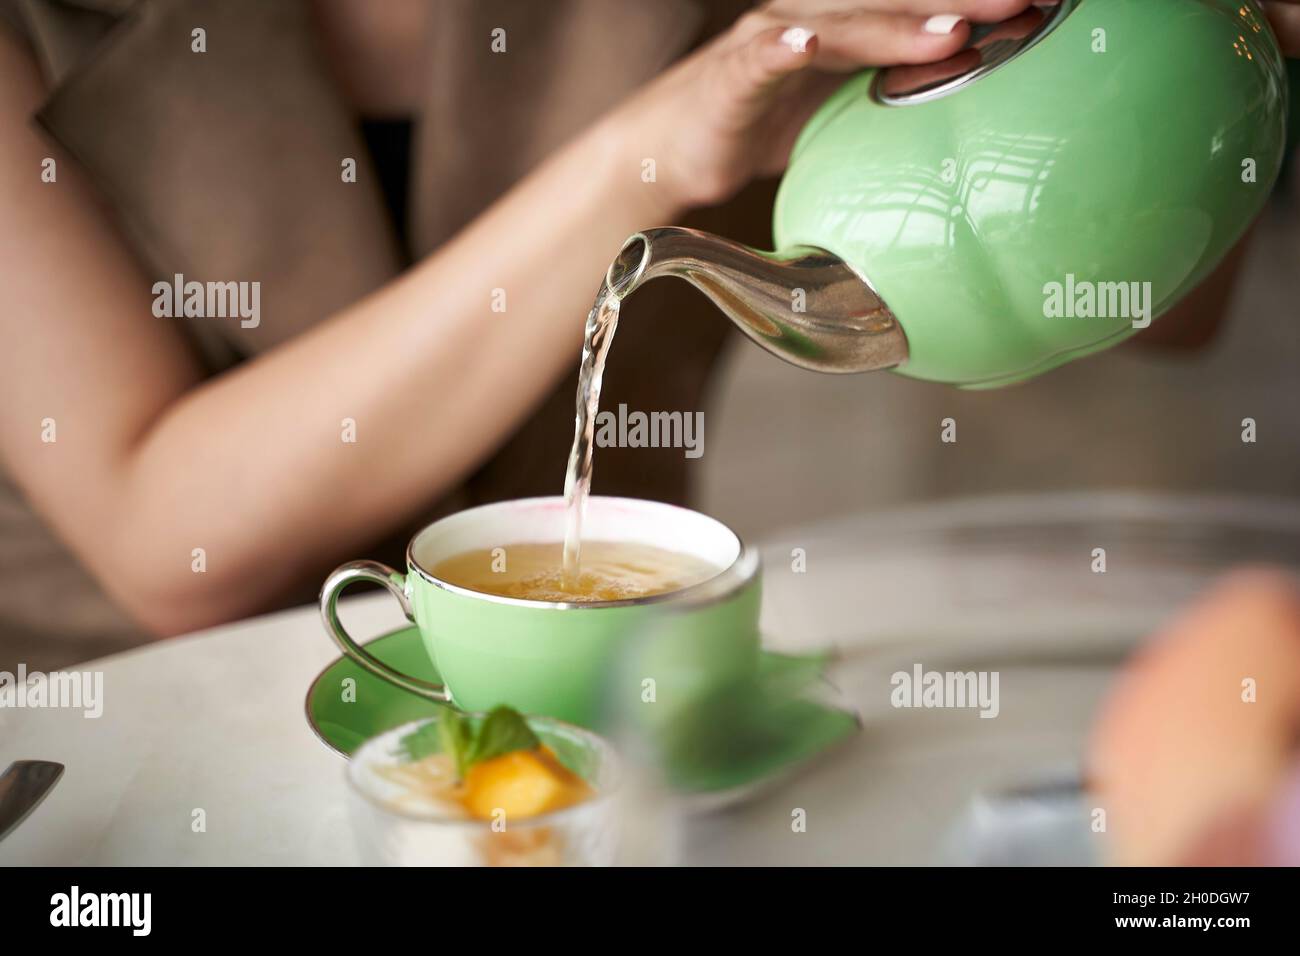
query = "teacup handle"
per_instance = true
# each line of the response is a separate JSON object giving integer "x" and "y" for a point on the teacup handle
{"x": 376, "y": 573}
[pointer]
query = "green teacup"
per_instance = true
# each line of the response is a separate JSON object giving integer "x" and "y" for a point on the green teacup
{"x": 559, "y": 659}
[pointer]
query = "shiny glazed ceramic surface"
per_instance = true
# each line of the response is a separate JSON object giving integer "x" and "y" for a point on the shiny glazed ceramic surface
{"x": 1133, "y": 142}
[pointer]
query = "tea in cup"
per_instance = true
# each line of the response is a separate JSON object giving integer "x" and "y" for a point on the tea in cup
{"x": 502, "y": 626}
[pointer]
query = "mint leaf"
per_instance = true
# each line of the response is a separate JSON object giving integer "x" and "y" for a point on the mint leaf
{"x": 455, "y": 738}
{"x": 419, "y": 743}
{"x": 503, "y": 731}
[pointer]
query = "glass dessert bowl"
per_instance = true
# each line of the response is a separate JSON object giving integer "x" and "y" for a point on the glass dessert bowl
{"x": 493, "y": 789}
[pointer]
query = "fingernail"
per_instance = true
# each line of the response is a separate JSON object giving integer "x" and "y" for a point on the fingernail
{"x": 943, "y": 24}
{"x": 797, "y": 39}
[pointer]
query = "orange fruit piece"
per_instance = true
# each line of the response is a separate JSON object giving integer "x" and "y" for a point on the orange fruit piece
{"x": 522, "y": 784}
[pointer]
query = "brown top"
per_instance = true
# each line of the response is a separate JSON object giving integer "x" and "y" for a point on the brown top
{"x": 226, "y": 166}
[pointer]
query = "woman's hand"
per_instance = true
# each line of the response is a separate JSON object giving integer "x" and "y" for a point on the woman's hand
{"x": 1285, "y": 17}
{"x": 731, "y": 111}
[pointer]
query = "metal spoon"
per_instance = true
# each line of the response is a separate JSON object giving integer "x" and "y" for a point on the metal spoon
{"x": 22, "y": 787}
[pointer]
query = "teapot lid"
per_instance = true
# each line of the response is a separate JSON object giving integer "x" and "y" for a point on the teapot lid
{"x": 991, "y": 46}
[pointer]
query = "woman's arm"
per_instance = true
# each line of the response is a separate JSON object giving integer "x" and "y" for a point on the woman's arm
{"x": 151, "y": 461}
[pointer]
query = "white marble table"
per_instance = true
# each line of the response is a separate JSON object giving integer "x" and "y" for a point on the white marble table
{"x": 214, "y": 722}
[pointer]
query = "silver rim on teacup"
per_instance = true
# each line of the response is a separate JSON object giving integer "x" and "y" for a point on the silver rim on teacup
{"x": 691, "y": 596}
{"x": 723, "y": 585}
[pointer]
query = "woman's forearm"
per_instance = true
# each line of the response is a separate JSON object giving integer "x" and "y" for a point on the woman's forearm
{"x": 252, "y": 466}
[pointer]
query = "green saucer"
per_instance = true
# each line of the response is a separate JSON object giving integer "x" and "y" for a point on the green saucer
{"x": 344, "y": 716}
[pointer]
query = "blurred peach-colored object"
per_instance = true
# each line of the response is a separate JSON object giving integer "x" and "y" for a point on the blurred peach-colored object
{"x": 1195, "y": 740}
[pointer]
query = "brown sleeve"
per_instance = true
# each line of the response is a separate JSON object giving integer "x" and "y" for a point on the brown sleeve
{"x": 58, "y": 33}
{"x": 11, "y": 18}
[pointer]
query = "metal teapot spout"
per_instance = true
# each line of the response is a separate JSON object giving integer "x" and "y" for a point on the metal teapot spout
{"x": 804, "y": 305}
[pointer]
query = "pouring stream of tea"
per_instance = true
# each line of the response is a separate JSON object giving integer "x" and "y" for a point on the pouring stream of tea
{"x": 602, "y": 322}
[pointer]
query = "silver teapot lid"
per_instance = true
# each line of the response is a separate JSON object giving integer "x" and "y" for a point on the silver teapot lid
{"x": 992, "y": 45}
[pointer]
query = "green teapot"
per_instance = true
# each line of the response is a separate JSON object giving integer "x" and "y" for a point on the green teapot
{"x": 1040, "y": 196}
